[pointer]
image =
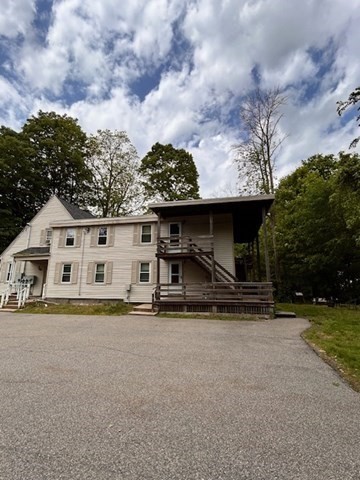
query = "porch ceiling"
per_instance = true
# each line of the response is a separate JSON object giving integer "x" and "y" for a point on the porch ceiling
{"x": 246, "y": 212}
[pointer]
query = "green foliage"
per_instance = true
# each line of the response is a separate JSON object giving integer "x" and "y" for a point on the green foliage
{"x": 317, "y": 209}
{"x": 72, "y": 309}
{"x": 58, "y": 152}
{"x": 116, "y": 185}
{"x": 354, "y": 98}
{"x": 169, "y": 174}
{"x": 335, "y": 331}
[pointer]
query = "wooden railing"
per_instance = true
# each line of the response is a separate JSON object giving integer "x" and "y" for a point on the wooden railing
{"x": 219, "y": 292}
{"x": 185, "y": 245}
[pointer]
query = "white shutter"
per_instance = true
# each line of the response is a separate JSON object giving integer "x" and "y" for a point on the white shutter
{"x": 77, "y": 237}
{"x": 136, "y": 237}
{"x": 93, "y": 239}
{"x": 111, "y": 236}
{"x": 134, "y": 271}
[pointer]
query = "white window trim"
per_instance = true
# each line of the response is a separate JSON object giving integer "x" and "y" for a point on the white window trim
{"x": 141, "y": 235}
{"x": 102, "y": 236}
{"x": 74, "y": 238}
{"x": 104, "y": 273}
{"x": 62, "y": 273}
{"x": 139, "y": 273}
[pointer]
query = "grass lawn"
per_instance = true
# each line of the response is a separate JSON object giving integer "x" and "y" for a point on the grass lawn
{"x": 70, "y": 309}
{"x": 335, "y": 334}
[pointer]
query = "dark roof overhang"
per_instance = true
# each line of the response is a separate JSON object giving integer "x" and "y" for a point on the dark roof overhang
{"x": 247, "y": 212}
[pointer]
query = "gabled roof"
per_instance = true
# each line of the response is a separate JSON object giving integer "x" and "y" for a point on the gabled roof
{"x": 76, "y": 212}
{"x": 33, "y": 251}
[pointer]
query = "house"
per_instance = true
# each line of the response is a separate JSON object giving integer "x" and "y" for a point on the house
{"x": 180, "y": 257}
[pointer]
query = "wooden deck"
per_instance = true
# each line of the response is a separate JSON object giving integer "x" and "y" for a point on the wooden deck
{"x": 218, "y": 297}
{"x": 185, "y": 246}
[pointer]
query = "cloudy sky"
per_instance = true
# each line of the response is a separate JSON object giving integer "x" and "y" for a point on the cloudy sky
{"x": 175, "y": 71}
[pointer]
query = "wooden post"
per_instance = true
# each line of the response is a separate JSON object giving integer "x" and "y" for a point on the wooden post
{"x": 258, "y": 264}
{"x": 157, "y": 249}
{"x": 267, "y": 263}
{"x": 211, "y": 221}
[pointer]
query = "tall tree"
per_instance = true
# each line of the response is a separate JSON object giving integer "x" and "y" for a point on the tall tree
{"x": 354, "y": 97}
{"x": 116, "y": 183}
{"x": 58, "y": 155}
{"x": 260, "y": 114}
{"x": 318, "y": 230}
{"x": 169, "y": 174}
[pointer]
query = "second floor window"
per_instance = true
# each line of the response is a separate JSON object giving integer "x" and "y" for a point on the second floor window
{"x": 102, "y": 236}
{"x": 145, "y": 233}
{"x": 48, "y": 236}
{"x": 70, "y": 237}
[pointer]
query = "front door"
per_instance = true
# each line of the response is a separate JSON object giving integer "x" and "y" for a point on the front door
{"x": 175, "y": 234}
{"x": 175, "y": 277}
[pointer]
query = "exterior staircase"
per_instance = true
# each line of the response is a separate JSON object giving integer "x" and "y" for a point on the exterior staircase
{"x": 144, "y": 309}
{"x": 11, "y": 305}
{"x": 221, "y": 273}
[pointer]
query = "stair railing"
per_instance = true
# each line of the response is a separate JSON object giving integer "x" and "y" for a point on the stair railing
{"x": 5, "y": 296}
{"x": 23, "y": 294}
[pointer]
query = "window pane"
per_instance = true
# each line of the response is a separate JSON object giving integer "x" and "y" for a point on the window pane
{"x": 144, "y": 273}
{"x": 70, "y": 237}
{"x": 66, "y": 273}
{"x": 100, "y": 273}
{"x": 146, "y": 234}
{"x": 102, "y": 238}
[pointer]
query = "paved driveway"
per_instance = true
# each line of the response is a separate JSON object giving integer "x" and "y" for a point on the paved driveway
{"x": 150, "y": 398}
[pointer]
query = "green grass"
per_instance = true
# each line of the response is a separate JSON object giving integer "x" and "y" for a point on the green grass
{"x": 70, "y": 309}
{"x": 335, "y": 334}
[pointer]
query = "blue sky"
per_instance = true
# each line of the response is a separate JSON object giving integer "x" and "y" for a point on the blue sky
{"x": 175, "y": 71}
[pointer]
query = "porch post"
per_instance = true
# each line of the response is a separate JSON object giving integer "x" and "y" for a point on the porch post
{"x": 157, "y": 251}
{"x": 267, "y": 263}
{"x": 211, "y": 225}
{"x": 258, "y": 264}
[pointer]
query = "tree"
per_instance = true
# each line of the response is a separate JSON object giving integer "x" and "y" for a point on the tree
{"x": 169, "y": 174}
{"x": 354, "y": 97}
{"x": 318, "y": 231}
{"x": 116, "y": 183}
{"x": 58, "y": 152}
{"x": 260, "y": 114}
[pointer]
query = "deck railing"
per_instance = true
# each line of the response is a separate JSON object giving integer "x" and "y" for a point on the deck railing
{"x": 185, "y": 245}
{"x": 219, "y": 292}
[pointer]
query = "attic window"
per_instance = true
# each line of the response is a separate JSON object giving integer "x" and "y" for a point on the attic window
{"x": 102, "y": 238}
{"x": 70, "y": 237}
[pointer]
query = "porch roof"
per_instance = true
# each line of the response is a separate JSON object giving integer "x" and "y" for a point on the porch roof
{"x": 246, "y": 212}
{"x": 33, "y": 253}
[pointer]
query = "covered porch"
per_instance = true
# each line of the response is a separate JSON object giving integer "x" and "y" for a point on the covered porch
{"x": 222, "y": 291}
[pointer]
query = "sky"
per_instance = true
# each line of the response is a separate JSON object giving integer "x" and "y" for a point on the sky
{"x": 176, "y": 71}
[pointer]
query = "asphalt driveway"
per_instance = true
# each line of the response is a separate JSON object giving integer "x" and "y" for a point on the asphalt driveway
{"x": 150, "y": 398}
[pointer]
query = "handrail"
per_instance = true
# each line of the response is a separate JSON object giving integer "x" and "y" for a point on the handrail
{"x": 23, "y": 294}
{"x": 5, "y": 296}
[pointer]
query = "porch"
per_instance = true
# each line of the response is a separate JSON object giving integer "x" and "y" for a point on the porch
{"x": 219, "y": 297}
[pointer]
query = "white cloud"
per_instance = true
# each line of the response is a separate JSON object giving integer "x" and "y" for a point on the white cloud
{"x": 16, "y": 17}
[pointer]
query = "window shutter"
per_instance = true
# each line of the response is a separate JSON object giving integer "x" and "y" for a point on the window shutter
{"x": 93, "y": 239}
{"x": 90, "y": 273}
{"x": 74, "y": 272}
{"x": 153, "y": 271}
{"x": 42, "y": 237}
{"x": 111, "y": 236}
{"x": 136, "y": 238}
{"x": 134, "y": 271}
{"x": 78, "y": 237}
{"x": 57, "y": 273}
{"x": 62, "y": 237}
{"x": 109, "y": 271}
{"x": 3, "y": 273}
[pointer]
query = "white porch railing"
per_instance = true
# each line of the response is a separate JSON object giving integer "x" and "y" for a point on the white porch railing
{"x": 23, "y": 294}
{"x": 5, "y": 296}
{"x": 22, "y": 291}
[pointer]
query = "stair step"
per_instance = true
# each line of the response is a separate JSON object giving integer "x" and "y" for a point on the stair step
{"x": 280, "y": 314}
{"x": 144, "y": 309}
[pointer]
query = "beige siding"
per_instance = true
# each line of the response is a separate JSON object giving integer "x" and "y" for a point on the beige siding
{"x": 120, "y": 256}
{"x": 33, "y": 236}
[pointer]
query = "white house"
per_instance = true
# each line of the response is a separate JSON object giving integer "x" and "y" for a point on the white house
{"x": 181, "y": 257}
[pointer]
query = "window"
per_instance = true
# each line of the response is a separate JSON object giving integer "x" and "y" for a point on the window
{"x": 100, "y": 273}
{"x": 9, "y": 272}
{"x": 48, "y": 236}
{"x": 144, "y": 272}
{"x": 66, "y": 273}
{"x": 70, "y": 237}
{"x": 175, "y": 273}
{"x": 102, "y": 236}
{"x": 145, "y": 233}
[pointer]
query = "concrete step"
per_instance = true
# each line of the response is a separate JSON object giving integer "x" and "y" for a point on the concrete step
{"x": 144, "y": 309}
{"x": 7, "y": 310}
{"x": 280, "y": 314}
